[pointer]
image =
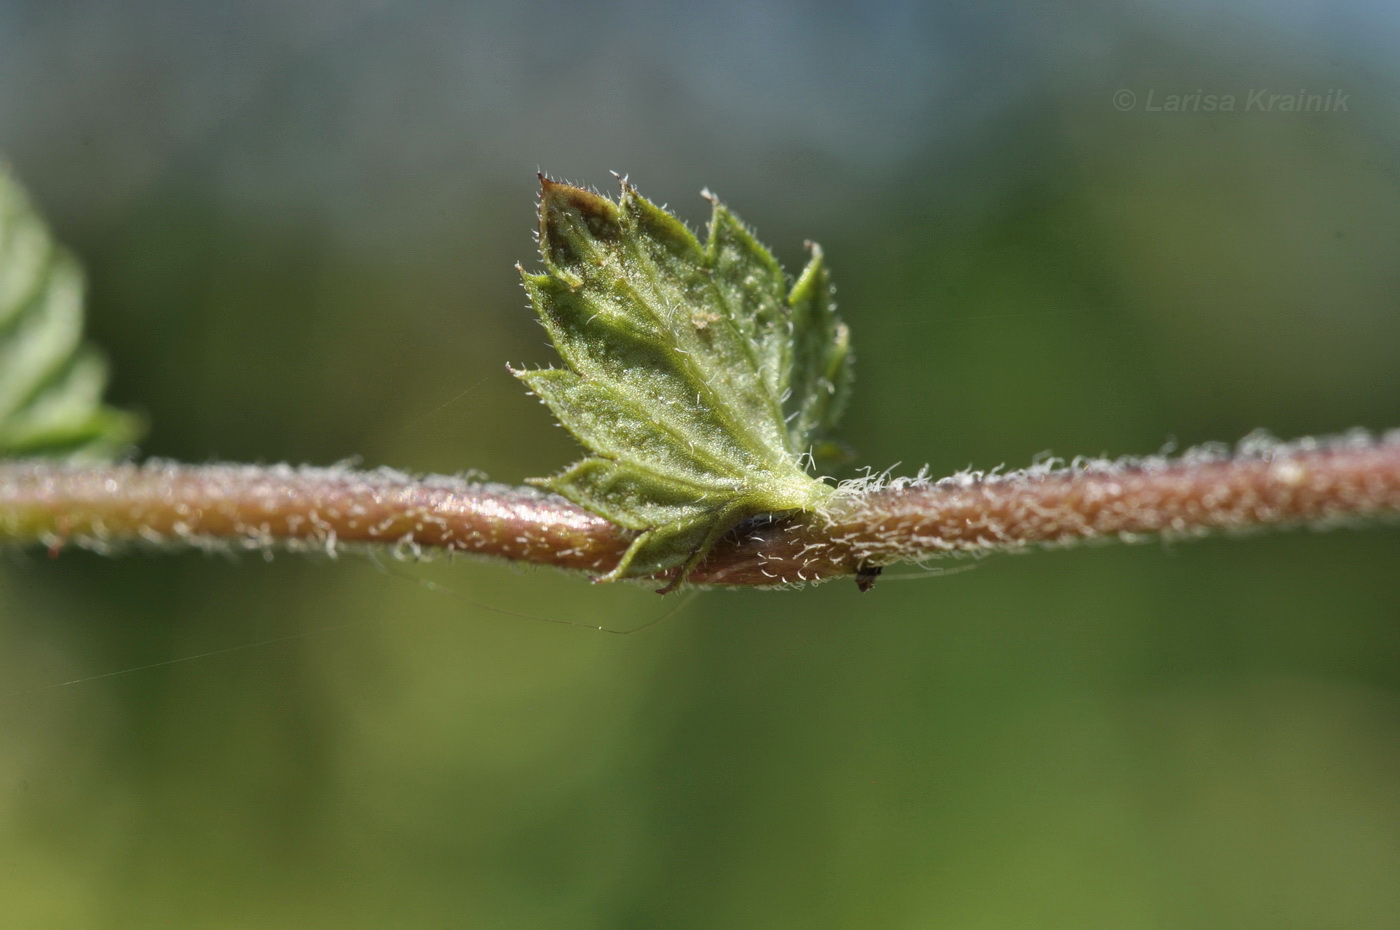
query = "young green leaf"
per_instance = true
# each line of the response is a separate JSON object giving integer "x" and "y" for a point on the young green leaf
{"x": 696, "y": 379}
{"x": 51, "y": 384}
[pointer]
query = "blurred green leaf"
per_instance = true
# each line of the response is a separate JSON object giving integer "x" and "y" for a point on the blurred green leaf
{"x": 51, "y": 382}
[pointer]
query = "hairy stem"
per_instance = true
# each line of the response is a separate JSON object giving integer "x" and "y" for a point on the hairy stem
{"x": 869, "y": 524}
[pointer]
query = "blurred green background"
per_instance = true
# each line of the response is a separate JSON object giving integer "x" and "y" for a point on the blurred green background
{"x": 299, "y": 222}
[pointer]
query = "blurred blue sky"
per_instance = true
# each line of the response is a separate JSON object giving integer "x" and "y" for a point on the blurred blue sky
{"x": 387, "y": 117}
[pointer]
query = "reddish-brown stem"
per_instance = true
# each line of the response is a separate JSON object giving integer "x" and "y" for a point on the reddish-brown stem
{"x": 869, "y": 524}
{"x": 253, "y": 507}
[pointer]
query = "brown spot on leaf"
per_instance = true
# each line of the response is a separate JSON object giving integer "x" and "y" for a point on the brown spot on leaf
{"x": 701, "y": 319}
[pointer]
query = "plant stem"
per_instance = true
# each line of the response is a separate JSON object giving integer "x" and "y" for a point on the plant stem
{"x": 870, "y": 523}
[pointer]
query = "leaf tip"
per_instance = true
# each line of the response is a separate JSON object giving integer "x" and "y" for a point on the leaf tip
{"x": 572, "y": 220}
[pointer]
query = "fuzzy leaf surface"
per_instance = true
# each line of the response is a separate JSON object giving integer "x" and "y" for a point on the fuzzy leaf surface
{"x": 51, "y": 383}
{"x": 695, "y": 377}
